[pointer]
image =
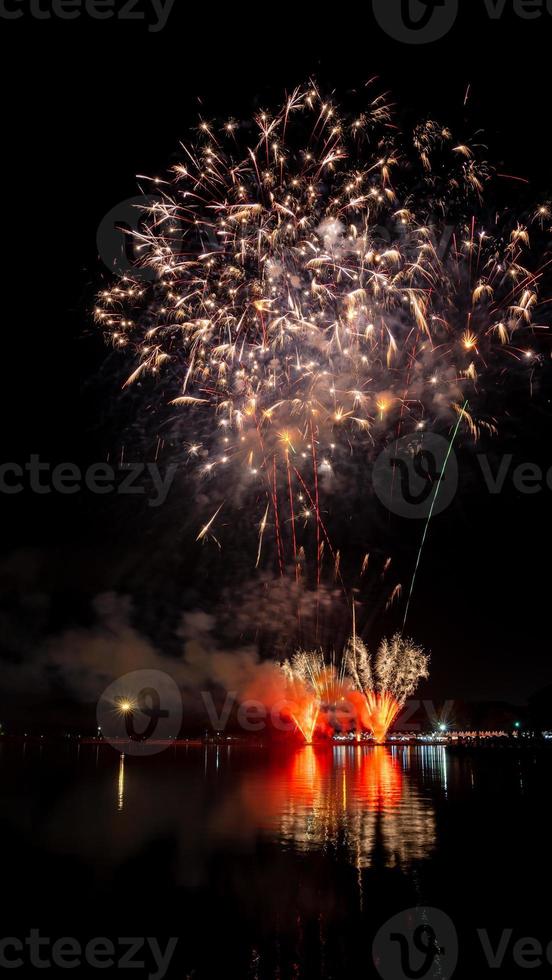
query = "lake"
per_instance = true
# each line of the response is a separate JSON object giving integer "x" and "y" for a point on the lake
{"x": 270, "y": 862}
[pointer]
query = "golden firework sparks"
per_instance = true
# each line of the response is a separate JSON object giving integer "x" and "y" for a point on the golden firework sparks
{"x": 305, "y": 301}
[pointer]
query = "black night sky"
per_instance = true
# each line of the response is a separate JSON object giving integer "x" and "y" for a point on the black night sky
{"x": 87, "y": 106}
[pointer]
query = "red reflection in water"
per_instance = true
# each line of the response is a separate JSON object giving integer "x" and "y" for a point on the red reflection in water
{"x": 322, "y": 796}
{"x": 335, "y": 780}
{"x": 307, "y": 774}
{"x": 381, "y": 779}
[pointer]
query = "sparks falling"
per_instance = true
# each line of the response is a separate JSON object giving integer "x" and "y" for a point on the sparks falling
{"x": 316, "y": 689}
{"x": 320, "y": 283}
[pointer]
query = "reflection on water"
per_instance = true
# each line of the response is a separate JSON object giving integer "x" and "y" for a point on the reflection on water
{"x": 368, "y": 801}
{"x": 121, "y": 784}
{"x": 373, "y": 804}
{"x": 293, "y": 857}
{"x": 357, "y": 797}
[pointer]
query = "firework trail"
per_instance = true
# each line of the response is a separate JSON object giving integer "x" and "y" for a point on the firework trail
{"x": 430, "y": 515}
{"x": 322, "y": 285}
{"x": 385, "y": 680}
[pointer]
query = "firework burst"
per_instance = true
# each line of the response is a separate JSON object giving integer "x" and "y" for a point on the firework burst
{"x": 321, "y": 285}
{"x": 317, "y": 690}
{"x": 385, "y": 680}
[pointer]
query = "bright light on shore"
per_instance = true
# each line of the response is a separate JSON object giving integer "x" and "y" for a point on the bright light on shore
{"x": 125, "y": 706}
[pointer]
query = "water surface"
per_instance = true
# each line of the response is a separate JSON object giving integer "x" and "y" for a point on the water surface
{"x": 271, "y": 862}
